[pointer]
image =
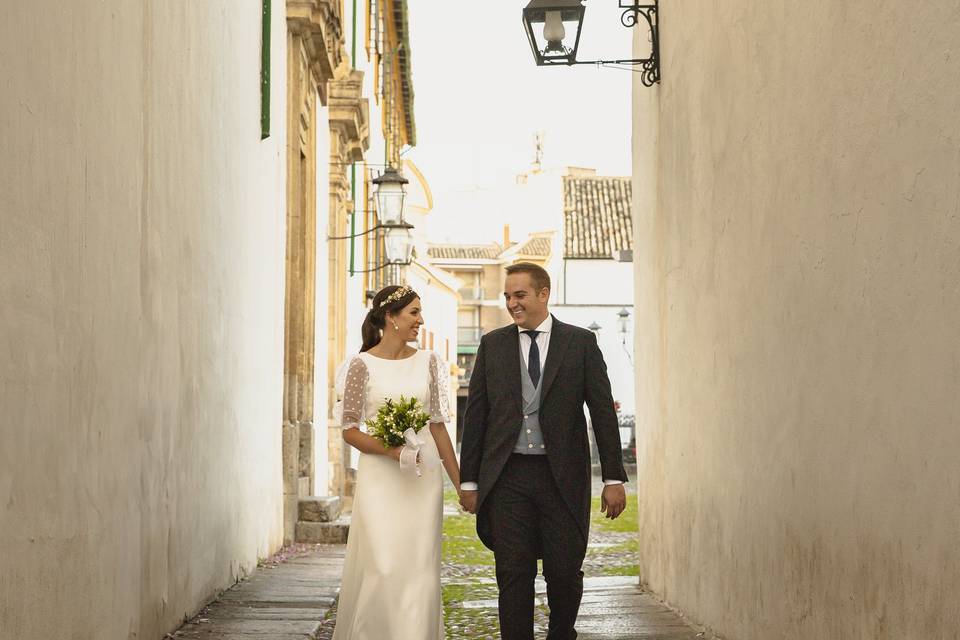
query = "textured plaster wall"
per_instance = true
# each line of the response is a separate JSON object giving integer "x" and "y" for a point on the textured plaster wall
{"x": 141, "y": 307}
{"x": 798, "y": 296}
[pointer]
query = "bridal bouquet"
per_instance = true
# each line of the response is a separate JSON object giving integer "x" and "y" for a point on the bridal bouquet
{"x": 398, "y": 423}
{"x": 394, "y": 418}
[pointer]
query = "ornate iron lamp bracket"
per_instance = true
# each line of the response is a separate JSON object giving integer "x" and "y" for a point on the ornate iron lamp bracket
{"x": 649, "y": 67}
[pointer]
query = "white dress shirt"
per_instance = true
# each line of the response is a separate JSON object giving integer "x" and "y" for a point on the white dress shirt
{"x": 543, "y": 343}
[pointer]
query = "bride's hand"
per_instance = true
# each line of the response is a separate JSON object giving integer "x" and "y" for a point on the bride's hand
{"x": 394, "y": 452}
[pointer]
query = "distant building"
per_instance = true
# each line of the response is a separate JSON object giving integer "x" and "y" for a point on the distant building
{"x": 595, "y": 283}
{"x": 597, "y": 241}
{"x": 479, "y": 270}
{"x": 588, "y": 254}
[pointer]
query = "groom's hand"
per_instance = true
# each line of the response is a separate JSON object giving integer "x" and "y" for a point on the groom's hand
{"x": 613, "y": 500}
{"x": 468, "y": 500}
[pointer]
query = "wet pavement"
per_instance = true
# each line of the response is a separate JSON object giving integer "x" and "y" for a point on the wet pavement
{"x": 613, "y": 606}
{"x": 292, "y": 595}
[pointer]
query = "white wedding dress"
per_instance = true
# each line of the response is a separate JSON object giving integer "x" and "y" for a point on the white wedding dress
{"x": 391, "y": 576}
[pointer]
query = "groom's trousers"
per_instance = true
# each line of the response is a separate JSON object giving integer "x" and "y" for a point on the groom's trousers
{"x": 528, "y": 520}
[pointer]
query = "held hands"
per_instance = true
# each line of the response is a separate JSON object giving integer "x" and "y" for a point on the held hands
{"x": 613, "y": 500}
{"x": 468, "y": 500}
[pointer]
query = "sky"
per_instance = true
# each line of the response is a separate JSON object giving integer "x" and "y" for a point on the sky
{"x": 479, "y": 99}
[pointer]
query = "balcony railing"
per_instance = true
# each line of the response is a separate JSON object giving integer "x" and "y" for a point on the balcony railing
{"x": 468, "y": 336}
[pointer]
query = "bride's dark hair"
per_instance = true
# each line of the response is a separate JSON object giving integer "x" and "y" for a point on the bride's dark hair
{"x": 376, "y": 318}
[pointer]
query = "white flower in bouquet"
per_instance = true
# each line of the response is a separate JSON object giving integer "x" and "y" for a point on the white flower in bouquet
{"x": 394, "y": 418}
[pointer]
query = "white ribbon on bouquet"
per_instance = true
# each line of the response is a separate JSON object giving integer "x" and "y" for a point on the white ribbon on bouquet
{"x": 416, "y": 454}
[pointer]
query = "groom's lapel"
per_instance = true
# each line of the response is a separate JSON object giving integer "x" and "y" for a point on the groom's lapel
{"x": 512, "y": 361}
{"x": 559, "y": 342}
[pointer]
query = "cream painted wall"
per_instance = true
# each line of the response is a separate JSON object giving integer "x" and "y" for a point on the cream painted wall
{"x": 797, "y": 271}
{"x": 141, "y": 279}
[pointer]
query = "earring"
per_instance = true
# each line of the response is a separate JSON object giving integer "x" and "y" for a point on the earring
{"x": 396, "y": 327}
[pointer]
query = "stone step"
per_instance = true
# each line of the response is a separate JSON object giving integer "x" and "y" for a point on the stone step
{"x": 323, "y": 532}
{"x": 319, "y": 509}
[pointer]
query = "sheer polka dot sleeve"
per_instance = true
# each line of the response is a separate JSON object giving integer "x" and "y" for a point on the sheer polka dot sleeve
{"x": 351, "y": 393}
{"x": 439, "y": 390}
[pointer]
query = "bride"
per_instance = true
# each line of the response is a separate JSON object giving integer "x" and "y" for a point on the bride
{"x": 391, "y": 575}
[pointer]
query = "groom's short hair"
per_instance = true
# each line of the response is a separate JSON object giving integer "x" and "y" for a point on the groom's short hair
{"x": 538, "y": 275}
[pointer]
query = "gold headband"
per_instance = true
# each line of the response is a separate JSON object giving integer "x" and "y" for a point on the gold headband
{"x": 399, "y": 294}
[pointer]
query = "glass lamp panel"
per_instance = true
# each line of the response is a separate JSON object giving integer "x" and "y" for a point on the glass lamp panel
{"x": 390, "y": 198}
{"x": 398, "y": 244}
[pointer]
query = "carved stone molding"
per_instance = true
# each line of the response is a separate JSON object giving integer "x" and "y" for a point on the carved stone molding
{"x": 349, "y": 114}
{"x": 319, "y": 24}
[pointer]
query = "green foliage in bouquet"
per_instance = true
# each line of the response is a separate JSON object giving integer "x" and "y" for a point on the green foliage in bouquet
{"x": 395, "y": 417}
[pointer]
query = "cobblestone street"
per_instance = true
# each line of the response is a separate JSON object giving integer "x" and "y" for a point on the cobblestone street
{"x": 613, "y": 604}
{"x": 291, "y": 594}
{"x": 469, "y": 584}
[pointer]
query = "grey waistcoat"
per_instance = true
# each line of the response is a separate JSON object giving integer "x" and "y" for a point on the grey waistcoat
{"x": 531, "y": 437}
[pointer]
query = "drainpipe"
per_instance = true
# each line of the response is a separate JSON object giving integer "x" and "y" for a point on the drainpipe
{"x": 265, "y": 71}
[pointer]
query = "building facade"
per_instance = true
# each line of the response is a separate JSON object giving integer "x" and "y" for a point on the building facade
{"x": 478, "y": 271}
{"x": 594, "y": 280}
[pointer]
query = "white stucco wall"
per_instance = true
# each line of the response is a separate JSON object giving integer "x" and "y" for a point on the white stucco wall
{"x": 797, "y": 259}
{"x": 595, "y": 282}
{"x": 141, "y": 279}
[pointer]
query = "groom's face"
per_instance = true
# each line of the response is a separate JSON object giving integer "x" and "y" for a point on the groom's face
{"x": 526, "y": 305}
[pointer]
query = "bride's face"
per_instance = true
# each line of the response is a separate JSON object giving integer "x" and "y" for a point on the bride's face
{"x": 409, "y": 320}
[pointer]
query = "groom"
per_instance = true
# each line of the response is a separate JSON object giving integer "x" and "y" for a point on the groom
{"x": 525, "y": 457}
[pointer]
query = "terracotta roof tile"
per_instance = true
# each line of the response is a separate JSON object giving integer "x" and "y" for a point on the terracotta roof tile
{"x": 464, "y": 251}
{"x": 596, "y": 216}
{"x": 537, "y": 246}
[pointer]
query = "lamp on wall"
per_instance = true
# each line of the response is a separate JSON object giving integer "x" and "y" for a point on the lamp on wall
{"x": 595, "y": 328}
{"x": 397, "y": 238}
{"x": 623, "y": 320}
{"x": 553, "y": 28}
{"x": 391, "y": 192}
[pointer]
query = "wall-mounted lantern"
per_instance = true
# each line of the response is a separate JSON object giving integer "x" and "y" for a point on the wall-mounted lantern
{"x": 553, "y": 28}
{"x": 595, "y": 328}
{"x": 391, "y": 191}
{"x": 397, "y": 239}
{"x": 623, "y": 319}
